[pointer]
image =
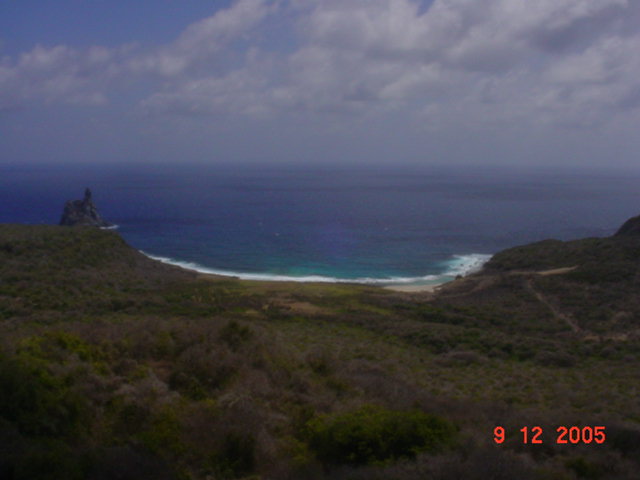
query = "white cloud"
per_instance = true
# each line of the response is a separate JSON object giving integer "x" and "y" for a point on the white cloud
{"x": 65, "y": 74}
{"x": 59, "y": 73}
{"x": 236, "y": 92}
{"x": 496, "y": 63}
{"x": 493, "y": 61}
{"x": 201, "y": 41}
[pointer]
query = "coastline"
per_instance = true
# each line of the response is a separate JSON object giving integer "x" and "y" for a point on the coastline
{"x": 422, "y": 284}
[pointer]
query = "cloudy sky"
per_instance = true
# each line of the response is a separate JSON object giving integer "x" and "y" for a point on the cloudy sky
{"x": 383, "y": 81}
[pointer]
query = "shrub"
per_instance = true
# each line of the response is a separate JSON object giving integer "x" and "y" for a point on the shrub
{"x": 462, "y": 358}
{"x": 555, "y": 359}
{"x": 126, "y": 462}
{"x": 198, "y": 370}
{"x": 626, "y": 441}
{"x": 48, "y": 460}
{"x": 321, "y": 361}
{"x": 236, "y": 458}
{"x": 584, "y": 469}
{"x": 373, "y": 435}
{"x": 163, "y": 434}
{"x": 36, "y": 402}
{"x": 235, "y": 334}
{"x": 477, "y": 463}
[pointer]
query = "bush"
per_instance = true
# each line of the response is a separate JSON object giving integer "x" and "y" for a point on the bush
{"x": 478, "y": 463}
{"x": 58, "y": 346}
{"x": 373, "y": 435}
{"x": 48, "y": 460}
{"x": 36, "y": 402}
{"x": 237, "y": 456}
{"x": 555, "y": 359}
{"x": 584, "y": 469}
{"x": 235, "y": 334}
{"x": 126, "y": 462}
{"x": 462, "y": 358}
{"x": 626, "y": 441}
{"x": 199, "y": 370}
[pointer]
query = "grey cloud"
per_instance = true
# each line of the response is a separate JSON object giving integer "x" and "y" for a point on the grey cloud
{"x": 58, "y": 73}
{"x": 396, "y": 53}
{"x": 497, "y": 35}
{"x": 604, "y": 75}
{"x": 237, "y": 92}
{"x": 580, "y": 30}
{"x": 494, "y": 62}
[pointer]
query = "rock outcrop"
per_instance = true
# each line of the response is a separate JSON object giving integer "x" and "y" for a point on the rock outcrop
{"x": 630, "y": 227}
{"x": 82, "y": 212}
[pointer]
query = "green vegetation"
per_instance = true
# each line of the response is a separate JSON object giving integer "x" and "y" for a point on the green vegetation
{"x": 372, "y": 434}
{"x": 116, "y": 366}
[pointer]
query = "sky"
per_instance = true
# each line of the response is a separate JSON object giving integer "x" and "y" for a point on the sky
{"x": 444, "y": 82}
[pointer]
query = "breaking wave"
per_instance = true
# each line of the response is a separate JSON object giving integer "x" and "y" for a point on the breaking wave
{"x": 458, "y": 265}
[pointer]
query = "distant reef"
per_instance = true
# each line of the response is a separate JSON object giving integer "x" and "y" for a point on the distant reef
{"x": 82, "y": 212}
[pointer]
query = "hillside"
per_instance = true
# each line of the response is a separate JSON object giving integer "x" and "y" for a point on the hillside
{"x": 589, "y": 287}
{"x": 113, "y": 366}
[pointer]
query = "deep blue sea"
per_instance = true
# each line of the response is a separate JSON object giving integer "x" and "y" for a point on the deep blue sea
{"x": 366, "y": 224}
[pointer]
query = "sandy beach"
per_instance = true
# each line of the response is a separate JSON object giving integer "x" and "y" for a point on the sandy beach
{"x": 396, "y": 288}
{"x": 414, "y": 288}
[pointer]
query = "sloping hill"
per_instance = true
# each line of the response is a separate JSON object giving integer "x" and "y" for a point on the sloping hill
{"x": 630, "y": 228}
{"x": 113, "y": 366}
{"x": 70, "y": 271}
{"x": 591, "y": 286}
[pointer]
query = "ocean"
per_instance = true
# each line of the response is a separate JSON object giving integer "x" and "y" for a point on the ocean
{"x": 380, "y": 225}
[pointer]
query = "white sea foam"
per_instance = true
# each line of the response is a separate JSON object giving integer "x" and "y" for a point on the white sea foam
{"x": 466, "y": 264}
{"x": 110, "y": 227}
{"x": 459, "y": 265}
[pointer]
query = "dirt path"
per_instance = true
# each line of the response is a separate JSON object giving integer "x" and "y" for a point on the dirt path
{"x": 556, "y": 271}
{"x": 556, "y": 313}
{"x": 544, "y": 273}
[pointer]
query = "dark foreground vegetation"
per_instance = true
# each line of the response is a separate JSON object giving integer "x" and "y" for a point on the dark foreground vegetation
{"x": 113, "y": 366}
